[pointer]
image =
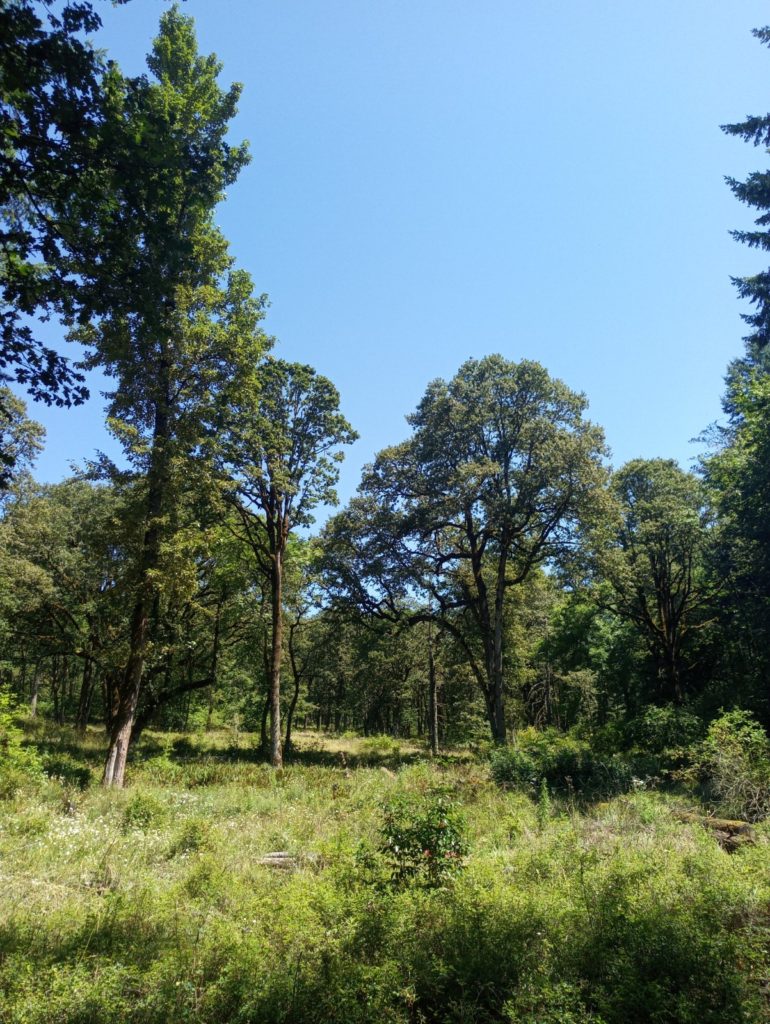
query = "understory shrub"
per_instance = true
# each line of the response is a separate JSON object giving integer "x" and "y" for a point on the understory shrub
{"x": 19, "y": 764}
{"x": 378, "y": 749}
{"x": 423, "y": 841}
{"x": 565, "y": 763}
{"x": 734, "y": 762}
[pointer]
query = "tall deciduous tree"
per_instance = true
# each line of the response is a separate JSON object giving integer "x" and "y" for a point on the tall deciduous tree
{"x": 281, "y": 451}
{"x": 20, "y": 439}
{"x": 654, "y": 562}
{"x": 496, "y": 479}
{"x": 54, "y": 183}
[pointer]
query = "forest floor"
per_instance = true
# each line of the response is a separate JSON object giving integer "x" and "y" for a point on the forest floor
{"x": 407, "y": 890}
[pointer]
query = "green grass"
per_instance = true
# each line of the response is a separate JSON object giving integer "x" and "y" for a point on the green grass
{"x": 151, "y": 904}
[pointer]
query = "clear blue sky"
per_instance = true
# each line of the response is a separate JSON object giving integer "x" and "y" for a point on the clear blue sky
{"x": 438, "y": 179}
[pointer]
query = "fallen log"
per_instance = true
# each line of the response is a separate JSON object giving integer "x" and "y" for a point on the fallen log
{"x": 283, "y": 861}
{"x": 729, "y": 833}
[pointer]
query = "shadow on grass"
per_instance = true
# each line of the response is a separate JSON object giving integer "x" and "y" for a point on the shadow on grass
{"x": 77, "y": 758}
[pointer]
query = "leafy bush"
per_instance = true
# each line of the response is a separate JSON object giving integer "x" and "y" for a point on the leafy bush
{"x": 143, "y": 811}
{"x": 376, "y": 749}
{"x": 423, "y": 842}
{"x": 659, "y": 729}
{"x": 19, "y": 764}
{"x": 735, "y": 764}
{"x": 566, "y": 764}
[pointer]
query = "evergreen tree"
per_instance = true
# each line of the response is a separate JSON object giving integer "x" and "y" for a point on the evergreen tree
{"x": 755, "y": 192}
{"x": 174, "y": 313}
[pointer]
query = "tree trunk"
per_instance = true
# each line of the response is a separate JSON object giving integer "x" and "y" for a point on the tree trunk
{"x": 130, "y": 686}
{"x": 35, "y": 690}
{"x": 263, "y": 726}
{"x": 214, "y": 660}
{"x": 296, "y": 672}
{"x": 276, "y": 752}
{"x": 432, "y": 696}
{"x": 86, "y": 695}
{"x": 55, "y": 687}
{"x": 128, "y": 698}
{"x": 290, "y": 712}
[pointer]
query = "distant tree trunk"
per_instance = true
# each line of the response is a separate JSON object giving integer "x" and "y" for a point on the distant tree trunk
{"x": 35, "y": 690}
{"x": 57, "y": 690}
{"x": 432, "y": 696}
{"x": 296, "y": 673}
{"x": 290, "y": 713}
{"x": 276, "y": 752}
{"x": 263, "y": 726}
{"x": 86, "y": 695}
{"x": 214, "y": 662}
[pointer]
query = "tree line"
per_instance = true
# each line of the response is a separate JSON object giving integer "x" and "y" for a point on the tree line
{"x": 492, "y": 569}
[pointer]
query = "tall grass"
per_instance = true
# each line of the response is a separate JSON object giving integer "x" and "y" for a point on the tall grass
{"x": 154, "y": 904}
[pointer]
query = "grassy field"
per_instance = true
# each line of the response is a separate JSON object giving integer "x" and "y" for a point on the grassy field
{"x": 159, "y": 903}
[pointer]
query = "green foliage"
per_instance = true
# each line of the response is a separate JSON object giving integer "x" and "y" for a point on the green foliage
{"x": 423, "y": 841}
{"x": 735, "y": 761}
{"x": 20, "y": 438}
{"x": 379, "y": 749}
{"x": 50, "y": 114}
{"x": 501, "y": 474}
{"x": 621, "y": 915}
{"x": 560, "y": 761}
{"x": 19, "y": 763}
{"x": 143, "y": 811}
{"x": 755, "y": 192}
{"x": 658, "y": 729}
{"x": 650, "y": 557}
{"x": 67, "y": 769}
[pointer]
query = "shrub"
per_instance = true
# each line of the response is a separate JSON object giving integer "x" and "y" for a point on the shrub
{"x": 734, "y": 762}
{"x": 18, "y": 764}
{"x": 375, "y": 749}
{"x": 566, "y": 764}
{"x": 423, "y": 841}
{"x": 143, "y": 811}
{"x": 661, "y": 729}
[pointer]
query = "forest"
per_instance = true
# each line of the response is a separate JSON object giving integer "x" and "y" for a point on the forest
{"x": 489, "y": 742}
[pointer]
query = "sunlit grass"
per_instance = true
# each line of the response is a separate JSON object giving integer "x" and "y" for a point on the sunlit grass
{"x": 155, "y": 903}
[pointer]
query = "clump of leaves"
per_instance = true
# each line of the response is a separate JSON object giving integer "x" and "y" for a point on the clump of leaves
{"x": 423, "y": 842}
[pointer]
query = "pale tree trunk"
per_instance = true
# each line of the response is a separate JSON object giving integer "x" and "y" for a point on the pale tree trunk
{"x": 432, "y": 695}
{"x": 296, "y": 672}
{"x": 290, "y": 713}
{"x": 276, "y": 751}
{"x": 35, "y": 690}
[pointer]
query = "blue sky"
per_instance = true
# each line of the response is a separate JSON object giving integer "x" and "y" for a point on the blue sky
{"x": 437, "y": 179}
